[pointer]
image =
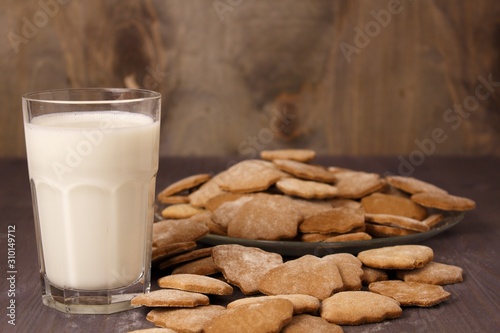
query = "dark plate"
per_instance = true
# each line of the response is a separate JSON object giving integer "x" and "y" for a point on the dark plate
{"x": 293, "y": 248}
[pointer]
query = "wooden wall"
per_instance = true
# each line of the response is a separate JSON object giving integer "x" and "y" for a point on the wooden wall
{"x": 236, "y": 76}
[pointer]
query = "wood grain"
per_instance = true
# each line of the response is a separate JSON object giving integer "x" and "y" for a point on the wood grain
{"x": 342, "y": 77}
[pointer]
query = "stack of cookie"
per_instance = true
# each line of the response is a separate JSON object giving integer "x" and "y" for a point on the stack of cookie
{"x": 306, "y": 294}
{"x": 284, "y": 196}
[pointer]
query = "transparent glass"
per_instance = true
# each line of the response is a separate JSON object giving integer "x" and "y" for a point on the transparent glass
{"x": 92, "y": 159}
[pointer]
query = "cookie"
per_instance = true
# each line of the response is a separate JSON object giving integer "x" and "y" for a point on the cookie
{"x": 223, "y": 214}
{"x": 168, "y": 250}
{"x": 306, "y": 171}
{"x": 186, "y": 257}
{"x": 195, "y": 283}
{"x": 349, "y": 268}
{"x": 213, "y": 203}
{"x": 373, "y": 275}
{"x": 174, "y": 199}
{"x": 397, "y": 257}
{"x": 433, "y": 220}
{"x": 379, "y": 203}
{"x": 381, "y": 231}
{"x": 340, "y": 220}
{"x": 185, "y": 320}
{"x": 203, "y": 266}
{"x": 250, "y": 176}
{"x": 397, "y": 221}
{"x": 355, "y": 185}
{"x": 412, "y": 185}
{"x": 359, "y": 307}
{"x": 269, "y": 315}
{"x": 301, "y": 303}
{"x": 244, "y": 266}
{"x": 300, "y": 155}
{"x": 265, "y": 217}
{"x": 349, "y": 203}
{"x": 180, "y": 211}
{"x": 207, "y": 191}
{"x": 306, "y": 189}
{"x": 310, "y": 207}
{"x": 411, "y": 293}
{"x": 349, "y": 237}
{"x": 433, "y": 273}
{"x": 176, "y": 231}
{"x": 153, "y": 330}
{"x": 305, "y": 323}
{"x": 183, "y": 185}
{"x": 307, "y": 275}
{"x": 443, "y": 201}
{"x": 170, "y": 298}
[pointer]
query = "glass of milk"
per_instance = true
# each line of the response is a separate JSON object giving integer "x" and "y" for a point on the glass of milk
{"x": 92, "y": 159}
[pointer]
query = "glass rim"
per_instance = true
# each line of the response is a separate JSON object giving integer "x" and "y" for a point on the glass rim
{"x": 146, "y": 95}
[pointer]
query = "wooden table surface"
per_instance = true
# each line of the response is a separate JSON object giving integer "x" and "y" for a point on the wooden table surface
{"x": 473, "y": 244}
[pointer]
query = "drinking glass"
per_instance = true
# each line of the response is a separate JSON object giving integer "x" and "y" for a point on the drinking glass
{"x": 92, "y": 159}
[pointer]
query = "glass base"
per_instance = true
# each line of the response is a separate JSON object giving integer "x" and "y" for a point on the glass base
{"x": 92, "y": 302}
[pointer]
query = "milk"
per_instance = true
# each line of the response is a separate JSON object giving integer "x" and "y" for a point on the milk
{"x": 94, "y": 176}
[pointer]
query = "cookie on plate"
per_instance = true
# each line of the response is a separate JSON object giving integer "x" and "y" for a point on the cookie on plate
{"x": 250, "y": 176}
{"x": 443, "y": 201}
{"x": 300, "y": 155}
{"x": 339, "y": 220}
{"x": 306, "y": 189}
{"x": 380, "y": 203}
{"x": 266, "y": 217}
{"x": 183, "y": 184}
{"x": 306, "y": 171}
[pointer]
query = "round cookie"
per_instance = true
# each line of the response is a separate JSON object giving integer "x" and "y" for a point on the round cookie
{"x": 170, "y": 298}
{"x": 185, "y": 320}
{"x": 380, "y": 203}
{"x": 306, "y": 171}
{"x": 411, "y": 293}
{"x": 300, "y": 155}
{"x": 397, "y": 257}
{"x": 195, "y": 283}
{"x": 301, "y": 303}
{"x": 306, "y": 189}
{"x": 433, "y": 273}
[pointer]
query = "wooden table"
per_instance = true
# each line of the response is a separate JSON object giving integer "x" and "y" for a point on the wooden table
{"x": 473, "y": 245}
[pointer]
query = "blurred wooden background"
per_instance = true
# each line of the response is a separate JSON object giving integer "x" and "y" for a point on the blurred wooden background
{"x": 237, "y": 76}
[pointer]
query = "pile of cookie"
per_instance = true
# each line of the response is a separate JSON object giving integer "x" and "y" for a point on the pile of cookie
{"x": 283, "y": 196}
{"x": 306, "y": 294}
